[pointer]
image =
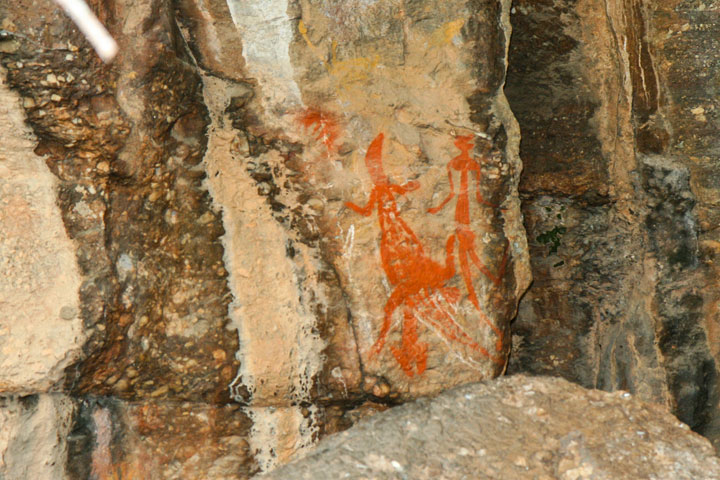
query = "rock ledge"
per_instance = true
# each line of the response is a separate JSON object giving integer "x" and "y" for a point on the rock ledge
{"x": 516, "y": 427}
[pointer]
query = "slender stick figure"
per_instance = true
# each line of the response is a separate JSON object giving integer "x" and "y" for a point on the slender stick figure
{"x": 464, "y": 164}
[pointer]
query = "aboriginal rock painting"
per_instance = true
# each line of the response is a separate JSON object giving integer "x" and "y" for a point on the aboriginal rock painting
{"x": 465, "y": 237}
{"x": 420, "y": 284}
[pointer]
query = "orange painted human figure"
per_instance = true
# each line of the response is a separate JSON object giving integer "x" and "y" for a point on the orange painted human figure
{"x": 464, "y": 164}
{"x": 416, "y": 278}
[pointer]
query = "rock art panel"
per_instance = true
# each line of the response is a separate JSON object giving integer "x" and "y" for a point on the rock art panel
{"x": 385, "y": 149}
{"x": 302, "y": 131}
{"x": 308, "y": 208}
{"x": 371, "y": 79}
{"x": 419, "y": 284}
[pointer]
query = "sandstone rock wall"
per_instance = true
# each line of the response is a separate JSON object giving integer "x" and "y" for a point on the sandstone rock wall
{"x": 268, "y": 219}
{"x": 264, "y": 220}
{"x": 620, "y": 199}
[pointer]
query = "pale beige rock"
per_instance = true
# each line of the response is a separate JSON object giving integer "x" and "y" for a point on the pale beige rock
{"x": 33, "y": 432}
{"x": 279, "y": 351}
{"x": 41, "y": 330}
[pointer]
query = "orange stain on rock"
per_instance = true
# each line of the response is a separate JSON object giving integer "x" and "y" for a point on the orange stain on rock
{"x": 324, "y": 126}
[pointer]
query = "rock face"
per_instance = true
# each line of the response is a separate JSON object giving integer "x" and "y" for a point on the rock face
{"x": 309, "y": 209}
{"x": 267, "y": 219}
{"x": 54, "y": 436}
{"x": 515, "y": 427}
{"x": 620, "y": 194}
{"x": 40, "y": 277}
{"x": 35, "y": 429}
{"x": 391, "y": 190}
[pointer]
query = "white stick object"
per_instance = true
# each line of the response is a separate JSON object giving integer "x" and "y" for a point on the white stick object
{"x": 91, "y": 27}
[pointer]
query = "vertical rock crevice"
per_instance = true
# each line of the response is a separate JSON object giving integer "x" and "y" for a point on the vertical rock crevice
{"x": 611, "y": 206}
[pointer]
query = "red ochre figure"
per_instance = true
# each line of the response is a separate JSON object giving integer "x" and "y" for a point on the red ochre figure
{"x": 464, "y": 164}
{"x": 414, "y": 276}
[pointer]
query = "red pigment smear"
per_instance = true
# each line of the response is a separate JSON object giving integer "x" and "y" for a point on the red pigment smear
{"x": 324, "y": 126}
{"x": 416, "y": 278}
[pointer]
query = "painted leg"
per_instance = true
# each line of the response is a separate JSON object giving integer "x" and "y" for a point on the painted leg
{"x": 467, "y": 276}
{"x": 396, "y": 298}
{"x": 412, "y": 353}
{"x": 465, "y": 268}
{"x": 467, "y": 244}
{"x": 450, "y": 257}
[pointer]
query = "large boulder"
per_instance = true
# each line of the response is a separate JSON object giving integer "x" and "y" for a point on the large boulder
{"x": 516, "y": 427}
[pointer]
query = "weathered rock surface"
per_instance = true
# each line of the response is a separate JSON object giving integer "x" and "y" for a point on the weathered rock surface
{"x": 514, "y": 427}
{"x": 55, "y": 436}
{"x": 388, "y": 301}
{"x": 348, "y": 131}
{"x": 148, "y": 440}
{"x": 41, "y": 331}
{"x": 124, "y": 143}
{"x": 684, "y": 38}
{"x": 309, "y": 208}
{"x": 33, "y": 436}
{"x": 617, "y": 107}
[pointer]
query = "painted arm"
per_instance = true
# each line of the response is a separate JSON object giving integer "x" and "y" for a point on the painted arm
{"x": 478, "y": 195}
{"x": 367, "y": 209}
{"x": 450, "y": 195}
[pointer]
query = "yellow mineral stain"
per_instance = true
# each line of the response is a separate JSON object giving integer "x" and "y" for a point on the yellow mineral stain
{"x": 345, "y": 72}
{"x": 445, "y": 34}
{"x": 352, "y": 70}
